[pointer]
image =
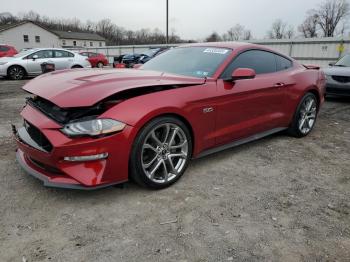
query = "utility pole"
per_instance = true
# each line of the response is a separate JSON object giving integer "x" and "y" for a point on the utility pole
{"x": 167, "y": 22}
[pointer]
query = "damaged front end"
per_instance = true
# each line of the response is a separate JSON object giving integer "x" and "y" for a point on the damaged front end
{"x": 65, "y": 115}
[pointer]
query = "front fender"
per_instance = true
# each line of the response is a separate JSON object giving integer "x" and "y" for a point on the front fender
{"x": 186, "y": 102}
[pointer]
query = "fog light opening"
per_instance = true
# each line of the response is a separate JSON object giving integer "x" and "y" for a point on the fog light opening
{"x": 86, "y": 158}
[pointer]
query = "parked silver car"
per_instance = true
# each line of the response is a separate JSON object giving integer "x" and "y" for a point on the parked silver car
{"x": 338, "y": 77}
{"x": 28, "y": 63}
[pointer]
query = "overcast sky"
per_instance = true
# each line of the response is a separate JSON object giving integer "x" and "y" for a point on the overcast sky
{"x": 191, "y": 19}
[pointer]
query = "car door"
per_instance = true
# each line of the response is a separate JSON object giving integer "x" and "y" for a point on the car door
{"x": 34, "y": 61}
{"x": 250, "y": 106}
{"x": 63, "y": 59}
{"x": 93, "y": 57}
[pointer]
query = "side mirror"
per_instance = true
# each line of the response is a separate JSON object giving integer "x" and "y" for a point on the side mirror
{"x": 35, "y": 57}
{"x": 331, "y": 64}
{"x": 243, "y": 73}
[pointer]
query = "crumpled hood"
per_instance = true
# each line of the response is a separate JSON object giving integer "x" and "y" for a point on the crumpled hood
{"x": 337, "y": 71}
{"x": 86, "y": 87}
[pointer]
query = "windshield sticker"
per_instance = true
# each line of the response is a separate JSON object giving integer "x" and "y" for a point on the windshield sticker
{"x": 202, "y": 73}
{"x": 216, "y": 51}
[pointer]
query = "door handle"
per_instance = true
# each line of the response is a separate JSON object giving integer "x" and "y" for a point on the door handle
{"x": 279, "y": 85}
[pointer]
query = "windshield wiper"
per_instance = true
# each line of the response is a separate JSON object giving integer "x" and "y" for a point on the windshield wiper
{"x": 341, "y": 65}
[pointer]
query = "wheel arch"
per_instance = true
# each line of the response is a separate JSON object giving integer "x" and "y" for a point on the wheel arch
{"x": 25, "y": 71}
{"x": 76, "y": 66}
{"x": 175, "y": 115}
{"x": 313, "y": 90}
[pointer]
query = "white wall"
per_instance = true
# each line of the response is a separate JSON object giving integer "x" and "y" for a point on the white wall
{"x": 14, "y": 37}
{"x": 82, "y": 43}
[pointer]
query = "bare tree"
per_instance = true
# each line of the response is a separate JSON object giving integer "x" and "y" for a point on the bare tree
{"x": 236, "y": 33}
{"x": 330, "y": 14}
{"x": 290, "y": 32}
{"x": 309, "y": 27}
{"x": 214, "y": 37}
{"x": 278, "y": 30}
{"x": 247, "y": 35}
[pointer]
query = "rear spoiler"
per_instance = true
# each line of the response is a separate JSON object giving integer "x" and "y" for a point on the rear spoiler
{"x": 312, "y": 67}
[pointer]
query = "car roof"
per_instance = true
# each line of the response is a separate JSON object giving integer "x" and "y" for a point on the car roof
{"x": 230, "y": 45}
{"x": 48, "y": 48}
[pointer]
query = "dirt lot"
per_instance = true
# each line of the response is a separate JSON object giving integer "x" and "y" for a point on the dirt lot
{"x": 277, "y": 199}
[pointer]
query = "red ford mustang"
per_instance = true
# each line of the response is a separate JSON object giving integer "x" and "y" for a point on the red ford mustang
{"x": 88, "y": 129}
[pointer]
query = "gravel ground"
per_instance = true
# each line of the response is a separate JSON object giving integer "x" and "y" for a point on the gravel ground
{"x": 276, "y": 199}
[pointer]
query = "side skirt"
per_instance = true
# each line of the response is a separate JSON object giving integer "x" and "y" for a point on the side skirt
{"x": 240, "y": 142}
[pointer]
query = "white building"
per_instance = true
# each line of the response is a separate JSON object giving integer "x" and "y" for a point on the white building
{"x": 31, "y": 35}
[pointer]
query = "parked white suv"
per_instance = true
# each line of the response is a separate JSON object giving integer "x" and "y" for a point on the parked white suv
{"x": 28, "y": 63}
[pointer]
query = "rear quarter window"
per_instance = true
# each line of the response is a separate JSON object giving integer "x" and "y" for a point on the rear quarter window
{"x": 283, "y": 63}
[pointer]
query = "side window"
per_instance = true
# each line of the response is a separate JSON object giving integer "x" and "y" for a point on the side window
{"x": 62, "y": 54}
{"x": 283, "y": 63}
{"x": 261, "y": 61}
{"x": 42, "y": 54}
{"x": 4, "y": 48}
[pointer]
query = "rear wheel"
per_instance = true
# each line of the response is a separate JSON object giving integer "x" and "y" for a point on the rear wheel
{"x": 99, "y": 65}
{"x": 16, "y": 73}
{"x": 160, "y": 153}
{"x": 305, "y": 116}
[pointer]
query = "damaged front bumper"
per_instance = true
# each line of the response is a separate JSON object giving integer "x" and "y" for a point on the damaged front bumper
{"x": 43, "y": 152}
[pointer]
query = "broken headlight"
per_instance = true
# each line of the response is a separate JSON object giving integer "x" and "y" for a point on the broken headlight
{"x": 95, "y": 127}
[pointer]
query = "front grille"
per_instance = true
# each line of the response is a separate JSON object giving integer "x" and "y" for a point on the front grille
{"x": 38, "y": 136}
{"x": 341, "y": 79}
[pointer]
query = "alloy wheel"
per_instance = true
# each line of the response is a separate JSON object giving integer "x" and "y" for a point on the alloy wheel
{"x": 16, "y": 73}
{"x": 164, "y": 153}
{"x": 307, "y": 116}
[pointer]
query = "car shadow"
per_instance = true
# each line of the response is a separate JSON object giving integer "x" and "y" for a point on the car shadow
{"x": 338, "y": 99}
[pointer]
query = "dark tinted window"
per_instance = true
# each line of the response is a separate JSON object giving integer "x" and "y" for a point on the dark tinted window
{"x": 4, "y": 48}
{"x": 61, "y": 54}
{"x": 283, "y": 63}
{"x": 261, "y": 61}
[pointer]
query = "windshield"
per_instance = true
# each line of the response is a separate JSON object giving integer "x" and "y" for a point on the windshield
{"x": 150, "y": 52}
{"x": 24, "y": 53}
{"x": 344, "y": 61}
{"x": 189, "y": 61}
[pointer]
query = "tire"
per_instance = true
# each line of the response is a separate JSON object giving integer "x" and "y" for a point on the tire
{"x": 16, "y": 73}
{"x": 99, "y": 65}
{"x": 305, "y": 116}
{"x": 76, "y": 66}
{"x": 160, "y": 153}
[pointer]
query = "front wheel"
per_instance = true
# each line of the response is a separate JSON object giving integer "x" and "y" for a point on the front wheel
{"x": 16, "y": 73}
{"x": 99, "y": 65}
{"x": 160, "y": 153}
{"x": 305, "y": 116}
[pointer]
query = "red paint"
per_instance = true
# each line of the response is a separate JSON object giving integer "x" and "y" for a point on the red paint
{"x": 241, "y": 108}
{"x": 7, "y": 51}
{"x": 95, "y": 58}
